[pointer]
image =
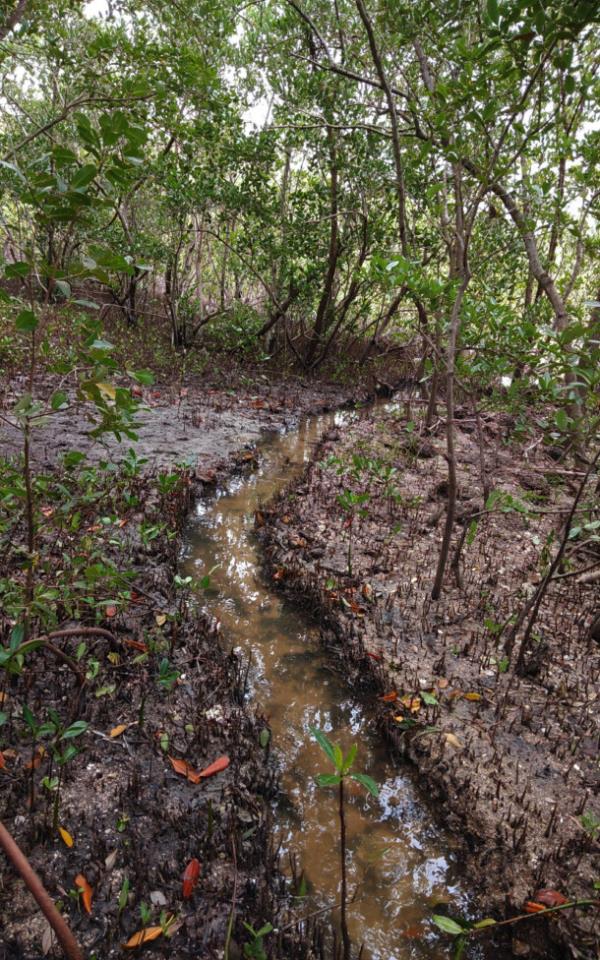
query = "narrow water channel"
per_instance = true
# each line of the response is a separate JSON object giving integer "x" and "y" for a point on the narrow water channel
{"x": 403, "y": 863}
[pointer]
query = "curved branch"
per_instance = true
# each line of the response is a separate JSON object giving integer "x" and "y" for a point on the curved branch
{"x": 71, "y": 948}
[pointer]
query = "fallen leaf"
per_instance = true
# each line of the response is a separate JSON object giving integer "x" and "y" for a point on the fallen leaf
{"x": 47, "y": 940}
{"x": 110, "y": 612}
{"x": 2, "y": 761}
{"x": 48, "y": 512}
{"x": 160, "y": 619}
{"x": 66, "y": 836}
{"x": 36, "y": 759}
{"x": 86, "y": 892}
{"x": 411, "y": 703}
{"x": 183, "y": 767}
{"x": 531, "y": 907}
{"x": 442, "y": 683}
{"x": 388, "y": 697}
{"x": 217, "y": 767}
{"x": 190, "y": 877}
{"x": 279, "y": 574}
{"x": 473, "y": 697}
{"x": 143, "y": 936}
{"x": 118, "y": 730}
{"x": 137, "y": 645}
{"x": 453, "y": 740}
{"x": 123, "y": 522}
{"x": 374, "y": 656}
{"x": 3, "y": 696}
{"x": 550, "y": 898}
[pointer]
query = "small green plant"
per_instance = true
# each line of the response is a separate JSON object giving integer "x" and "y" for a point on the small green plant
{"x": 254, "y": 949}
{"x": 352, "y": 505}
{"x": 590, "y": 823}
{"x": 342, "y": 766}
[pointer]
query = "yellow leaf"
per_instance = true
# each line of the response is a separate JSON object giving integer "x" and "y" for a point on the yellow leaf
{"x": 453, "y": 741}
{"x": 473, "y": 696}
{"x": 143, "y": 936}
{"x": 66, "y": 836}
{"x": 107, "y": 390}
{"x": 118, "y": 730}
{"x": 160, "y": 619}
{"x": 114, "y": 658}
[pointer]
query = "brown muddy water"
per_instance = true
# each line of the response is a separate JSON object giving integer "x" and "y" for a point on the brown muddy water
{"x": 403, "y": 864}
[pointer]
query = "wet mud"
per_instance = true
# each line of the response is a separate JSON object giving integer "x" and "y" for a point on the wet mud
{"x": 511, "y": 761}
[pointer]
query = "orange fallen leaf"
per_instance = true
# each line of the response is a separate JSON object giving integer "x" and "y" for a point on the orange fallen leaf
{"x": 473, "y": 697}
{"x": 217, "y": 767}
{"x": 392, "y": 695}
{"x": 137, "y": 645}
{"x": 86, "y": 892}
{"x": 66, "y": 837}
{"x": 36, "y": 759}
{"x": 279, "y": 574}
{"x": 183, "y": 767}
{"x": 190, "y": 877}
{"x": 531, "y": 907}
{"x": 411, "y": 703}
{"x": 143, "y": 936}
{"x": 110, "y": 612}
{"x": 2, "y": 761}
{"x": 118, "y": 730}
{"x": 123, "y": 522}
{"x": 550, "y": 898}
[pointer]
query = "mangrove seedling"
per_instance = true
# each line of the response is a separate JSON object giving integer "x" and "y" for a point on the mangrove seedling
{"x": 342, "y": 765}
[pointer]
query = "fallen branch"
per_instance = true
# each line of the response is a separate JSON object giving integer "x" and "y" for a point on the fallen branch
{"x": 71, "y": 948}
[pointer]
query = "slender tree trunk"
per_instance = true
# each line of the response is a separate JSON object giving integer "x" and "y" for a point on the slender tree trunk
{"x": 344, "y": 890}
{"x": 325, "y": 303}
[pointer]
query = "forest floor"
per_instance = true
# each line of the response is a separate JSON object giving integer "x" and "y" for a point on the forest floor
{"x": 161, "y": 696}
{"x": 511, "y": 760}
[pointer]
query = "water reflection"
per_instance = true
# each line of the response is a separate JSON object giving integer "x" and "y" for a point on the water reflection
{"x": 400, "y": 865}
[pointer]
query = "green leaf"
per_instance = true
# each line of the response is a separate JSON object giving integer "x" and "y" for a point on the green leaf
{"x": 63, "y": 287}
{"x": 328, "y": 779}
{"x": 492, "y": 10}
{"x": 570, "y": 83}
{"x": 26, "y": 321}
{"x": 349, "y": 758}
{"x": 75, "y": 730}
{"x": 18, "y": 269}
{"x": 488, "y": 922}
{"x": 59, "y": 400}
{"x": 84, "y": 176}
{"x": 264, "y": 737}
{"x": 325, "y": 744}
{"x": 428, "y": 698}
{"x": 448, "y": 925}
{"x": 367, "y": 782}
{"x": 145, "y": 377}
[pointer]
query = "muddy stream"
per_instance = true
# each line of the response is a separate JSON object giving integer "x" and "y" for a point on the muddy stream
{"x": 403, "y": 863}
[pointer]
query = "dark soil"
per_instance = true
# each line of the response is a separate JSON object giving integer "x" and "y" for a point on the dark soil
{"x": 136, "y": 822}
{"x": 512, "y": 760}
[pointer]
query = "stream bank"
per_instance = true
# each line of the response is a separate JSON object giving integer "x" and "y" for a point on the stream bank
{"x": 160, "y": 687}
{"x": 510, "y": 761}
